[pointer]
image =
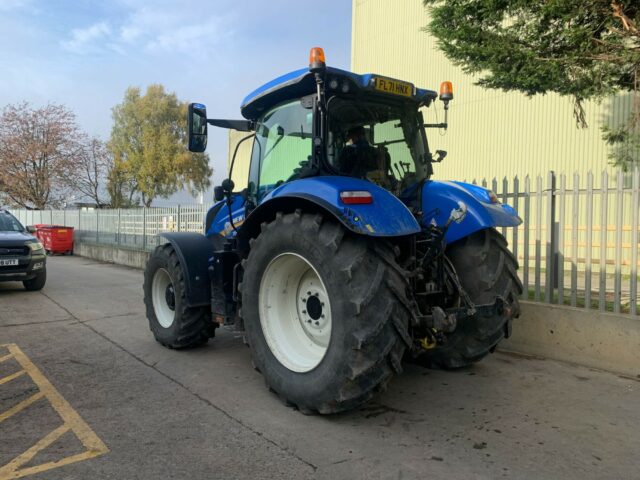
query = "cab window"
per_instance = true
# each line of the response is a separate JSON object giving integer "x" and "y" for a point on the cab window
{"x": 282, "y": 146}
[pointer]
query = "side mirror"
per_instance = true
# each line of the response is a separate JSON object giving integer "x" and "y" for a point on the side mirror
{"x": 218, "y": 194}
{"x": 441, "y": 154}
{"x": 197, "y": 120}
{"x": 31, "y": 229}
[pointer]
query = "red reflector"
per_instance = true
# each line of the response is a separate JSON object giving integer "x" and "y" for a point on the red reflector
{"x": 356, "y": 197}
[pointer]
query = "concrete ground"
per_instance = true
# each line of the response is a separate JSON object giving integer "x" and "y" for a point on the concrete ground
{"x": 205, "y": 413}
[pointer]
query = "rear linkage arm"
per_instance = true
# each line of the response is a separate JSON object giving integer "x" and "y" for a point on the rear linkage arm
{"x": 433, "y": 326}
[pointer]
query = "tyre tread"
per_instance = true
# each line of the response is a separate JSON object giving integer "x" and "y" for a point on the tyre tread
{"x": 378, "y": 340}
{"x": 194, "y": 326}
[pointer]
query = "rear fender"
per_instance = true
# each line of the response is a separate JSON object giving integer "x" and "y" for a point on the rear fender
{"x": 194, "y": 251}
{"x": 386, "y": 216}
{"x": 439, "y": 198}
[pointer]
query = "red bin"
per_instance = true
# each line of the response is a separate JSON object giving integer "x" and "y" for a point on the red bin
{"x": 55, "y": 238}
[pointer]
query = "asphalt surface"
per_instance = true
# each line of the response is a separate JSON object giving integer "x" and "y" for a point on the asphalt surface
{"x": 205, "y": 413}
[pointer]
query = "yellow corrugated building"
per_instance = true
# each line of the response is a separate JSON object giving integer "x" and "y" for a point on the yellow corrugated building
{"x": 241, "y": 166}
{"x": 491, "y": 133}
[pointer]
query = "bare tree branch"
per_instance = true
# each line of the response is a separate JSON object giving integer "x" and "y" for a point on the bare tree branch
{"x": 38, "y": 148}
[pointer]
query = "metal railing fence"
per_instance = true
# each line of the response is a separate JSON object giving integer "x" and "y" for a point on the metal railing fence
{"x": 132, "y": 227}
{"x": 578, "y": 241}
{"x": 577, "y": 244}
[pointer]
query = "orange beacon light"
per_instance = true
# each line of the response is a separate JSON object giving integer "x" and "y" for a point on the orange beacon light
{"x": 317, "y": 60}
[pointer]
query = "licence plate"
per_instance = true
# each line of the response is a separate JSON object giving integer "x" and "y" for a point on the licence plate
{"x": 395, "y": 87}
{"x": 8, "y": 262}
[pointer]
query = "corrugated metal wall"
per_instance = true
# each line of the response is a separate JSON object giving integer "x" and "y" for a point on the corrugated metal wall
{"x": 491, "y": 133}
{"x": 241, "y": 166}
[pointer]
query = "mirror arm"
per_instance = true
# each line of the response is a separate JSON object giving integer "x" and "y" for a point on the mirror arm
{"x": 444, "y": 124}
{"x": 240, "y": 125}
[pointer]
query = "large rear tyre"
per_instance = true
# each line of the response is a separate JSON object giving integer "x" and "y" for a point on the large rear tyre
{"x": 173, "y": 323}
{"x": 324, "y": 312}
{"x": 486, "y": 269}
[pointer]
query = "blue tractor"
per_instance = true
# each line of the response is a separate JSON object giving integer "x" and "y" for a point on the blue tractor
{"x": 342, "y": 258}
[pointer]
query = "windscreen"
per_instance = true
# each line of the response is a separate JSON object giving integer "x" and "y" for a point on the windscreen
{"x": 8, "y": 223}
{"x": 282, "y": 146}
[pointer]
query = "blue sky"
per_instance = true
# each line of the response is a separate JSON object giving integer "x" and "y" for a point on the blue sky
{"x": 84, "y": 54}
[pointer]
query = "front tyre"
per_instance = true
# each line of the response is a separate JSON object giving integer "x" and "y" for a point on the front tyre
{"x": 173, "y": 323}
{"x": 325, "y": 313}
{"x": 36, "y": 283}
{"x": 486, "y": 269}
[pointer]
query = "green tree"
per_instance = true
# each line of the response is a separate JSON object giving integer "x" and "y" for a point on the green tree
{"x": 148, "y": 143}
{"x": 585, "y": 50}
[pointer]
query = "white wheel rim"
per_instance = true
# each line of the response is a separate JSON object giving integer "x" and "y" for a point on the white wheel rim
{"x": 295, "y": 312}
{"x": 161, "y": 288}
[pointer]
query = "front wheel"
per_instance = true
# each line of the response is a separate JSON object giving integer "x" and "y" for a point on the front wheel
{"x": 486, "y": 269}
{"x": 173, "y": 323}
{"x": 36, "y": 283}
{"x": 325, "y": 314}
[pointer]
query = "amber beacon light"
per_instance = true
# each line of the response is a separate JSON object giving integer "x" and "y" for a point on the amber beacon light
{"x": 446, "y": 91}
{"x": 317, "y": 61}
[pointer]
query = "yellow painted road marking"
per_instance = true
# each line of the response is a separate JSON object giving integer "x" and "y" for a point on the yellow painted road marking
{"x": 8, "y": 378}
{"x": 25, "y": 457}
{"x": 6, "y": 357}
{"x": 72, "y": 422}
{"x": 21, "y": 406}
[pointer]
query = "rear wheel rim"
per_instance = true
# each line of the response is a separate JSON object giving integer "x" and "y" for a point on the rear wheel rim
{"x": 295, "y": 312}
{"x": 163, "y": 297}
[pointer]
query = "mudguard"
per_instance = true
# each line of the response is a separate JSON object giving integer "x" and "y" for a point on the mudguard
{"x": 439, "y": 198}
{"x": 194, "y": 251}
{"x": 386, "y": 216}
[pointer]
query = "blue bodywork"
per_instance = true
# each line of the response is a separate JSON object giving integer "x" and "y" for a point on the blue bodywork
{"x": 387, "y": 215}
{"x": 221, "y": 224}
{"x": 439, "y": 198}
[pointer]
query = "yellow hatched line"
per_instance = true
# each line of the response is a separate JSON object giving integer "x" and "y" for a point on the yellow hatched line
{"x": 8, "y": 378}
{"x": 21, "y": 406}
{"x": 72, "y": 422}
{"x": 9, "y": 470}
{"x": 6, "y": 357}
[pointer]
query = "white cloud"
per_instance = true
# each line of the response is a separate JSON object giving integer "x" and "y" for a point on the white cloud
{"x": 163, "y": 29}
{"x": 8, "y": 5}
{"x": 187, "y": 38}
{"x": 130, "y": 33}
{"x": 172, "y": 29}
{"x": 87, "y": 40}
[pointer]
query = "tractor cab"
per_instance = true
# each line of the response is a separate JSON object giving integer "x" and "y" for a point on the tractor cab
{"x": 323, "y": 121}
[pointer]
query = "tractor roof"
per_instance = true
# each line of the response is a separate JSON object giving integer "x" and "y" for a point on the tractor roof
{"x": 302, "y": 82}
